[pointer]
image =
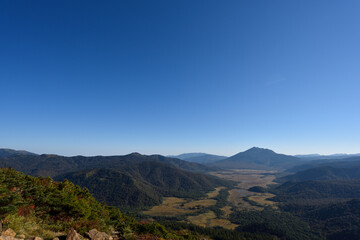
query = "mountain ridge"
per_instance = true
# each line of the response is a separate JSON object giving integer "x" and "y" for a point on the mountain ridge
{"x": 6, "y": 152}
{"x": 52, "y": 165}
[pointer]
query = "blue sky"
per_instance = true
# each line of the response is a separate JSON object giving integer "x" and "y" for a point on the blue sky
{"x": 114, "y": 77}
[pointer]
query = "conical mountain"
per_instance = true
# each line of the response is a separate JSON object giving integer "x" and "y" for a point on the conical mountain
{"x": 258, "y": 158}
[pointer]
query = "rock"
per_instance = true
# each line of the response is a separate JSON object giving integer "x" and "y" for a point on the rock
{"x": 96, "y": 235}
{"x": 56, "y": 238}
{"x": 73, "y": 235}
{"x": 38, "y": 238}
{"x": 21, "y": 236}
{"x": 9, "y": 233}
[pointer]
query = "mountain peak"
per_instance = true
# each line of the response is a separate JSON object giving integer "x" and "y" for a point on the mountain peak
{"x": 259, "y": 150}
{"x": 135, "y": 154}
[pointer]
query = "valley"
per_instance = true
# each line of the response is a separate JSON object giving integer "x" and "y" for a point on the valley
{"x": 201, "y": 212}
{"x": 314, "y": 199}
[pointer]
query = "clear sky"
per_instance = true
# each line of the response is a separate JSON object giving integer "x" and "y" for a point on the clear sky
{"x": 114, "y": 77}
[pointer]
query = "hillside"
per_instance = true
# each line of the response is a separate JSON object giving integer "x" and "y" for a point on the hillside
{"x": 6, "y": 152}
{"x": 203, "y": 158}
{"x": 144, "y": 184}
{"x": 317, "y": 191}
{"x": 329, "y": 206}
{"x": 352, "y": 162}
{"x": 41, "y": 207}
{"x": 53, "y": 165}
{"x": 145, "y": 179}
{"x": 36, "y": 206}
{"x": 258, "y": 158}
{"x": 323, "y": 173}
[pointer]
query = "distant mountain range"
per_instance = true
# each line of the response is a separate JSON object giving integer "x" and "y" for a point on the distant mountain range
{"x": 254, "y": 158}
{"x": 258, "y": 158}
{"x": 52, "y": 165}
{"x": 332, "y": 156}
{"x": 203, "y": 158}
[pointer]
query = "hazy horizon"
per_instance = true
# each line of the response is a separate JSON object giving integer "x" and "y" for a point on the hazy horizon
{"x": 165, "y": 154}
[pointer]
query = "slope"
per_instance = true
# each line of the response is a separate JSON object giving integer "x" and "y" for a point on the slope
{"x": 52, "y": 165}
{"x": 37, "y": 206}
{"x": 258, "y": 158}
{"x": 352, "y": 162}
{"x": 6, "y": 152}
{"x": 323, "y": 173}
{"x": 143, "y": 184}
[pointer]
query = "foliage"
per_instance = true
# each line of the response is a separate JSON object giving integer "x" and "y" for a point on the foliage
{"x": 317, "y": 190}
{"x": 339, "y": 220}
{"x": 258, "y": 189}
{"x": 143, "y": 185}
{"x": 275, "y": 223}
{"x": 41, "y": 206}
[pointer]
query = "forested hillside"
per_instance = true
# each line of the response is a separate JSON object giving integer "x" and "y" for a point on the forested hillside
{"x": 53, "y": 165}
{"x": 327, "y": 197}
{"x": 143, "y": 184}
{"x": 323, "y": 173}
{"x": 6, "y": 152}
{"x": 37, "y": 206}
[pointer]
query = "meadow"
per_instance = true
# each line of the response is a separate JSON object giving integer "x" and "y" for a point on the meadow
{"x": 206, "y": 212}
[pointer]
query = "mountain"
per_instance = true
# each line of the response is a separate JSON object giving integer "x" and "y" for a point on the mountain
{"x": 52, "y": 165}
{"x": 323, "y": 173}
{"x": 258, "y": 158}
{"x": 144, "y": 183}
{"x": 203, "y": 158}
{"x": 6, "y": 152}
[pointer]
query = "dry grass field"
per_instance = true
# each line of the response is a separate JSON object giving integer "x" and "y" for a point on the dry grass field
{"x": 261, "y": 198}
{"x": 227, "y": 211}
{"x": 171, "y": 206}
{"x": 209, "y": 220}
{"x": 215, "y": 193}
{"x": 200, "y": 203}
{"x": 248, "y": 178}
